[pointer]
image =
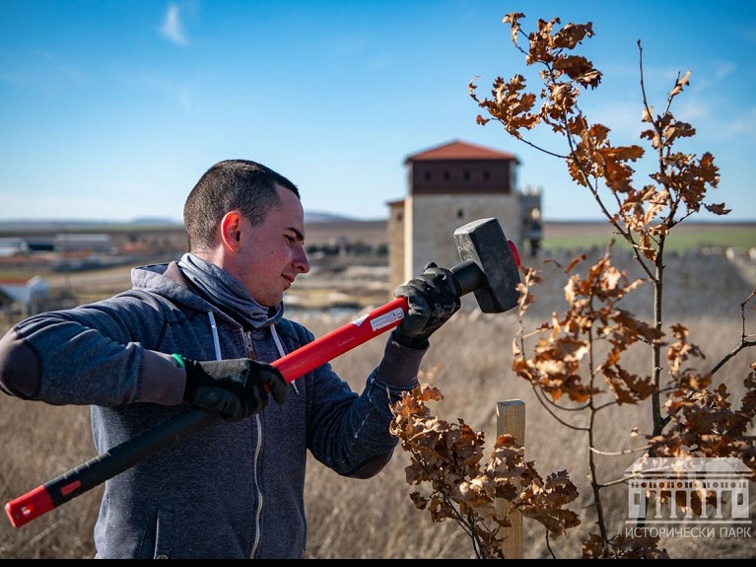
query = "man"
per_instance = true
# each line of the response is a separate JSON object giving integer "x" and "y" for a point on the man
{"x": 202, "y": 331}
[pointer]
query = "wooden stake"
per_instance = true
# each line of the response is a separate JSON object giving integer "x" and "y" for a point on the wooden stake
{"x": 511, "y": 421}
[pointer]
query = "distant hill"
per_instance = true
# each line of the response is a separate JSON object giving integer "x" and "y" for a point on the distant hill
{"x": 66, "y": 225}
{"x": 155, "y": 221}
{"x": 319, "y": 216}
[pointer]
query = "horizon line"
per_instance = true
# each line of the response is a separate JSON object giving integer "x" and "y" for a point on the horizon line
{"x": 330, "y": 217}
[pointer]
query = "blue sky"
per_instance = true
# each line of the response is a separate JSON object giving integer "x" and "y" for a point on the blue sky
{"x": 113, "y": 109}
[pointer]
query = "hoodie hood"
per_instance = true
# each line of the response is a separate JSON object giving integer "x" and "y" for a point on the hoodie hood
{"x": 174, "y": 281}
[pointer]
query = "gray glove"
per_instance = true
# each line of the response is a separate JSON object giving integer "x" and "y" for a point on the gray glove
{"x": 234, "y": 388}
{"x": 433, "y": 297}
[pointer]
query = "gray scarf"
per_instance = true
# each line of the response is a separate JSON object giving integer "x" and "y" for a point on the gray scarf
{"x": 227, "y": 293}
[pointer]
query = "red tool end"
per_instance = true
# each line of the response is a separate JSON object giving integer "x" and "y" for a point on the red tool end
{"x": 27, "y": 507}
{"x": 515, "y": 253}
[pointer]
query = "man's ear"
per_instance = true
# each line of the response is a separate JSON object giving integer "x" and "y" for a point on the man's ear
{"x": 230, "y": 230}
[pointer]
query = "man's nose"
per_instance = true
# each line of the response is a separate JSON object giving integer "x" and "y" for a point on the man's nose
{"x": 301, "y": 262}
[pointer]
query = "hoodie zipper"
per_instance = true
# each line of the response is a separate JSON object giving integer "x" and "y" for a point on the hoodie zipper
{"x": 251, "y": 354}
{"x": 255, "y": 458}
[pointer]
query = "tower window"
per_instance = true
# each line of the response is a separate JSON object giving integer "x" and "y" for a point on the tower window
{"x": 466, "y": 175}
{"x": 427, "y": 175}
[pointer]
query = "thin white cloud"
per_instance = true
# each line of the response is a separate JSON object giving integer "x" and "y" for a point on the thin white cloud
{"x": 184, "y": 99}
{"x": 736, "y": 128}
{"x": 724, "y": 69}
{"x": 172, "y": 27}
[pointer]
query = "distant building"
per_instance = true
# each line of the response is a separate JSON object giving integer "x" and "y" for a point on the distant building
{"x": 68, "y": 242}
{"x": 24, "y": 297}
{"x": 12, "y": 247}
{"x": 449, "y": 186}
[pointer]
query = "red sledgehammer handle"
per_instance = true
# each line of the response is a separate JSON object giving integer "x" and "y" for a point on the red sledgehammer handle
{"x": 121, "y": 457}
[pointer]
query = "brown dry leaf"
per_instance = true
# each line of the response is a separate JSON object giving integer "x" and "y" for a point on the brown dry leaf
{"x": 571, "y": 35}
{"x": 544, "y": 501}
{"x": 628, "y": 388}
{"x": 681, "y": 82}
{"x": 718, "y": 209}
{"x": 513, "y": 19}
{"x": 579, "y": 69}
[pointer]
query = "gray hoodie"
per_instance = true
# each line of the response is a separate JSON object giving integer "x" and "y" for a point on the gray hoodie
{"x": 234, "y": 489}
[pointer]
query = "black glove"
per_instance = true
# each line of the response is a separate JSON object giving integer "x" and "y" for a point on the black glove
{"x": 233, "y": 388}
{"x": 433, "y": 297}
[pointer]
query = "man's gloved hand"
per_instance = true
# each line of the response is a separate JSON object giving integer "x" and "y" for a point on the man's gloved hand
{"x": 233, "y": 388}
{"x": 433, "y": 297}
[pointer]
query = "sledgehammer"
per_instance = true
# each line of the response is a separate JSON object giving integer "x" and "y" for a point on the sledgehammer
{"x": 489, "y": 268}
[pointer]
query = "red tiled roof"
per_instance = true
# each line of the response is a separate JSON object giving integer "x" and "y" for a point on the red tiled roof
{"x": 459, "y": 150}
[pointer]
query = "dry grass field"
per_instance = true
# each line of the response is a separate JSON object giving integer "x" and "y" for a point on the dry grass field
{"x": 469, "y": 361}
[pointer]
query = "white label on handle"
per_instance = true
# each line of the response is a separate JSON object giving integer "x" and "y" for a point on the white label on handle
{"x": 387, "y": 319}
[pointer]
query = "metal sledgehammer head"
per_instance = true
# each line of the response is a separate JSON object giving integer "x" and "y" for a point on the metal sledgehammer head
{"x": 482, "y": 243}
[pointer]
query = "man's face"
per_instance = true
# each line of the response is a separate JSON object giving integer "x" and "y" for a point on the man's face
{"x": 272, "y": 254}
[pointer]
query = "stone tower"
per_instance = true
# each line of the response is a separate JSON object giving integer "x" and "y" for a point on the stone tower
{"x": 449, "y": 186}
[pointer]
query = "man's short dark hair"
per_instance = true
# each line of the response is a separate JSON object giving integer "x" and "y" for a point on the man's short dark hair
{"x": 232, "y": 184}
